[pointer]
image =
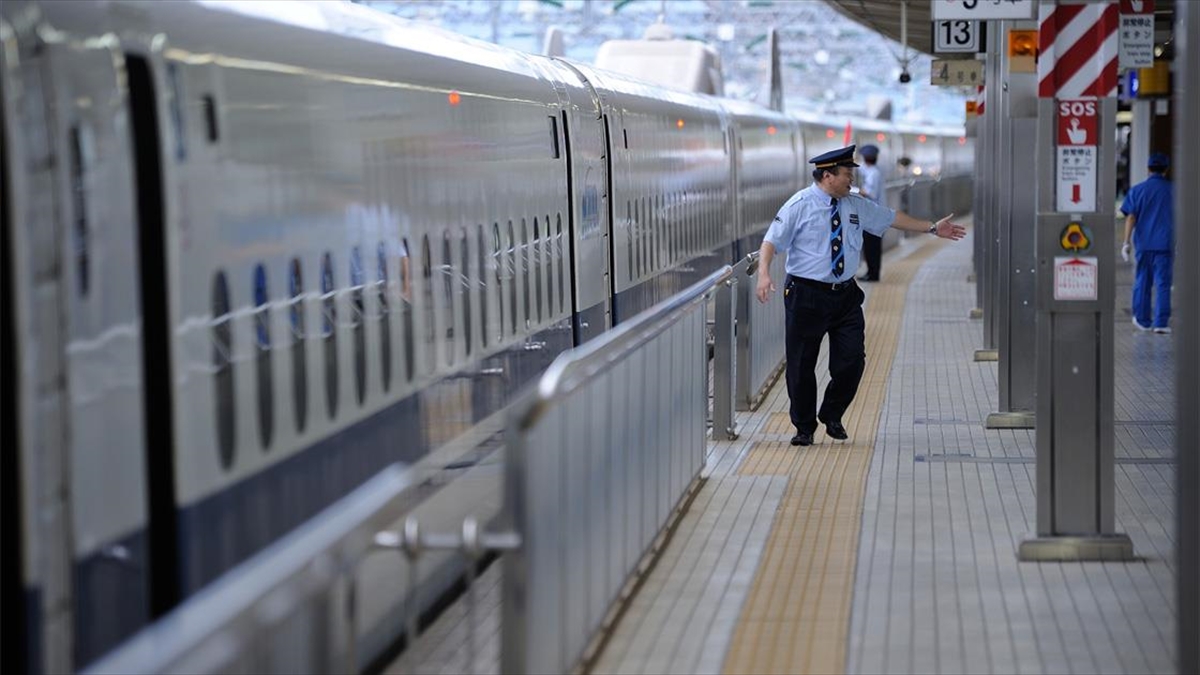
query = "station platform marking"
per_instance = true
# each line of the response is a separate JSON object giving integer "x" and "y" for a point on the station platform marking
{"x": 797, "y": 616}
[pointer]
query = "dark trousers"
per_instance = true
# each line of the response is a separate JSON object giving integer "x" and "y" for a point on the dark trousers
{"x": 811, "y": 314}
{"x": 872, "y": 250}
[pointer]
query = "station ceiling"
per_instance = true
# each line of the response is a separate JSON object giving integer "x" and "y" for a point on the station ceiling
{"x": 884, "y": 16}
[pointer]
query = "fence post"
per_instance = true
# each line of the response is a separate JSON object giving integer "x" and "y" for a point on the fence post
{"x": 723, "y": 428}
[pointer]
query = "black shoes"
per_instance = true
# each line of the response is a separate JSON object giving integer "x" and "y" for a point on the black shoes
{"x": 868, "y": 277}
{"x": 836, "y": 431}
{"x": 802, "y": 438}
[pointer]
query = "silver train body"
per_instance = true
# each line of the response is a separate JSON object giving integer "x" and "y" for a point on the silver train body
{"x": 249, "y": 263}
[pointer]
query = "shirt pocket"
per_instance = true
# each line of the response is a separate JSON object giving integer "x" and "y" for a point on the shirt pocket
{"x": 812, "y": 239}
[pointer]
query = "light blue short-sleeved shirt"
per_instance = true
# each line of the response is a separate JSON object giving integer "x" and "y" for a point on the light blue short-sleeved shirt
{"x": 870, "y": 178}
{"x": 802, "y": 230}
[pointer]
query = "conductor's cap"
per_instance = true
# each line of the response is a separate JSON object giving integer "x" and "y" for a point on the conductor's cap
{"x": 840, "y": 157}
{"x": 869, "y": 152}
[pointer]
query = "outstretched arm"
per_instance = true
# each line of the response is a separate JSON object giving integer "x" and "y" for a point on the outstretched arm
{"x": 944, "y": 228}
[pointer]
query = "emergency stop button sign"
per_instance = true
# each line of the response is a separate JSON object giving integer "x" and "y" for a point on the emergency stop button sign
{"x": 1077, "y": 122}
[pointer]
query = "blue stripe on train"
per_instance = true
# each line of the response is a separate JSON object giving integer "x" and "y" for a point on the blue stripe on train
{"x": 222, "y": 530}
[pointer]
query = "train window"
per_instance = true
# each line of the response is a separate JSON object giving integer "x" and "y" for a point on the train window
{"x": 672, "y": 223}
{"x": 629, "y": 237}
{"x": 329, "y": 334}
{"x": 558, "y": 252}
{"x": 548, "y": 256}
{"x": 481, "y": 280}
{"x": 498, "y": 263}
{"x": 465, "y": 292}
{"x": 643, "y": 234}
{"x": 299, "y": 358}
{"x": 385, "y": 316}
{"x": 80, "y": 222}
{"x": 358, "y": 323}
{"x": 406, "y": 312}
{"x": 636, "y": 230}
{"x": 262, "y": 342}
{"x": 654, "y": 217}
{"x": 525, "y": 271}
{"x": 222, "y": 361}
{"x": 655, "y": 232}
{"x": 210, "y": 117}
{"x": 448, "y": 296}
{"x": 536, "y": 252}
{"x": 511, "y": 275}
{"x": 554, "y": 152}
{"x": 426, "y": 308}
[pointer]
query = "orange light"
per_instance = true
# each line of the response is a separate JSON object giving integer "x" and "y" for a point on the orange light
{"x": 880, "y": 137}
{"x": 454, "y": 98}
{"x": 771, "y": 130}
{"x": 1022, "y": 43}
{"x": 921, "y": 138}
{"x": 830, "y": 134}
{"x": 962, "y": 140}
{"x": 679, "y": 123}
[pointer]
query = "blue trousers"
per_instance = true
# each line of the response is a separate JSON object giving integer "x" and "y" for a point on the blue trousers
{"x": 1154, "y": 268}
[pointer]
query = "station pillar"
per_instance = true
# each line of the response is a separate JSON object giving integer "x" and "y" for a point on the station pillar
{"x": 1075, "y": 241}
{"x": 986, "y": 215}
{"x": 1015, "y": 282}
{"x": 1186, "y": 172}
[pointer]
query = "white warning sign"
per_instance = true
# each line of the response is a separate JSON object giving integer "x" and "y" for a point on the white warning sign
{"x": 1076, "y": 173}
{"x": 1076, "y": 278}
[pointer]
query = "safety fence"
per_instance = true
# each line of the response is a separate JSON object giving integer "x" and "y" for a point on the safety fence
{"x": 601, "y": 458}
{"x": 761, "y": 346}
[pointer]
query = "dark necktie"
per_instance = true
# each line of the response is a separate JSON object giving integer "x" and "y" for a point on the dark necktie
{"x": 837, "y": 257}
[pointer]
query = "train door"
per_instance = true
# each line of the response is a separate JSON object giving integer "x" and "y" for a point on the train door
{"x": 12, "y": 493}
{"x": 80, "y": 331}
{"x": 735, "y": 201}
{"x": 584, "y": 132}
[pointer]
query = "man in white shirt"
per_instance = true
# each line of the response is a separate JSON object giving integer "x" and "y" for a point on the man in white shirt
{"x": 870, "y": 180}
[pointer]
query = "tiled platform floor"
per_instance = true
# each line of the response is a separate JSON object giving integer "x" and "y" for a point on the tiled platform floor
{"x": 937, "y": 586}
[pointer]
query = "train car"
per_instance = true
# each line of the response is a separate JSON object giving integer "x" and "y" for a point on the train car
{"x": 249, "y": 262}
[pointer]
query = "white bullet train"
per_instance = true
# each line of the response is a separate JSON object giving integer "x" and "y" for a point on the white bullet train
{"x": 248, "y": 262}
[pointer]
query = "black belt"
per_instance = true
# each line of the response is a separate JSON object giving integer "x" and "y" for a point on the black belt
{"x": 823, "y": 285}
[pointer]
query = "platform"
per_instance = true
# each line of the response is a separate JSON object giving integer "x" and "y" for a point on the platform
{"x": 896, "y": 551}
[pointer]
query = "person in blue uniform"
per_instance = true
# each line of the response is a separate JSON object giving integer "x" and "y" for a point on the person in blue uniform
{"x": 1150, "y": 218}
{"x": 820, "y": 229}
{"x": 870, "y": 183}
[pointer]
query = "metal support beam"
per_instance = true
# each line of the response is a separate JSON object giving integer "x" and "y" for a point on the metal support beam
{"x": 1186, "y": 176}
{"x": 1015, "y": 284}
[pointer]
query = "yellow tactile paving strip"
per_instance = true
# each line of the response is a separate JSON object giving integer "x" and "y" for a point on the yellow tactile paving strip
{"x": 797, "y": 616}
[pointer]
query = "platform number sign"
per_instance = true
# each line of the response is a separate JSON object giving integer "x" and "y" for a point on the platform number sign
{"x": 957, "y": 35}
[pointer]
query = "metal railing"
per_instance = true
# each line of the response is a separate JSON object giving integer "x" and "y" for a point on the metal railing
{"x": 602, "y": 457}
{"x": 761, "y": 342}
{"x": 288, "y": 609}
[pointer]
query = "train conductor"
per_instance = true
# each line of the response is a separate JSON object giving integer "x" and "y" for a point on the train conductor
{"x": 820, "y": 228}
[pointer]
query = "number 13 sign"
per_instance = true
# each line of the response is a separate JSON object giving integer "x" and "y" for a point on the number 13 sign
{"x": 957, "y": 35}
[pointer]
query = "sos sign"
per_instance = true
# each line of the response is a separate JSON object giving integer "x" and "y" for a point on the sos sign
{"x": 1077, "y": 124}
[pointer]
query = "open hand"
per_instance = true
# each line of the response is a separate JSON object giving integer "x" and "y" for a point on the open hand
{"x": 946, "y": 229}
